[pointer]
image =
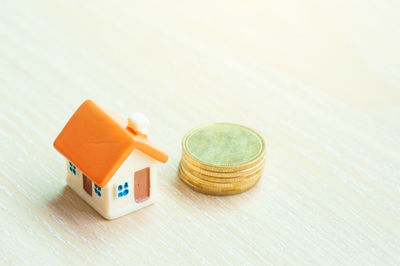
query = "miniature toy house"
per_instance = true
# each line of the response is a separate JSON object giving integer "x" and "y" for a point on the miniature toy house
{"x": 110, "y": 161}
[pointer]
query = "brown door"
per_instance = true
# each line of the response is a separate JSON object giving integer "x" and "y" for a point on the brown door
{"x": 87, "y": 184}
{"x": 142, "y": 184}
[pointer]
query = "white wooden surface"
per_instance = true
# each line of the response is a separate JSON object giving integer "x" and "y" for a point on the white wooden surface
{"x": 320, "y": 80}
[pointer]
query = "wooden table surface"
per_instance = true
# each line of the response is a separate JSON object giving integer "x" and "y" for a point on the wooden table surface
{"x": 319, "y": 80}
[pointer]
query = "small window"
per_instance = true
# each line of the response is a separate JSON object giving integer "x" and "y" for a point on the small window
{"x": 72, "y": 168}
{"x": 122, "y": 190}
{"x": 97, "y": 189}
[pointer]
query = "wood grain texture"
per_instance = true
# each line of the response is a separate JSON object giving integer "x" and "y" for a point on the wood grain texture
{"x": 319, "y": 80}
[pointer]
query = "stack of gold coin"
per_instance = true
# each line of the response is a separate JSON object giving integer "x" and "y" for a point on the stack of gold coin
{"x": 222, "y": 159}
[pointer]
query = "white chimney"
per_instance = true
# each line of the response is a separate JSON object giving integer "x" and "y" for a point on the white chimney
{"x": 138, "y": 122}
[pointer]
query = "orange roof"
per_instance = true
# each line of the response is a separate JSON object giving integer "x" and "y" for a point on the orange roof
{"x": 98, "y": 142}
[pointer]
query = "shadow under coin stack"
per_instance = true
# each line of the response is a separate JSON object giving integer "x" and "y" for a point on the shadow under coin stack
{"x": 222, "y": 159}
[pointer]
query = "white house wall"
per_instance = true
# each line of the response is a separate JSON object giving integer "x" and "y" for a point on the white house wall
{"x": 109, "y": 205}
{"x": 101, "y": 204}
{"x": 135, "y": 162}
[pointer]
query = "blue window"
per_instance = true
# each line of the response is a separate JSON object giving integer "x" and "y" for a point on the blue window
{"x": 72, "y": 168}
{"x": 122, "y": 190}
{"x": 97, "y": 189}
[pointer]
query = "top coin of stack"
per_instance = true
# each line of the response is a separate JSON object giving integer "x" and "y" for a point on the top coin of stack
{"x": 222, "y": 159}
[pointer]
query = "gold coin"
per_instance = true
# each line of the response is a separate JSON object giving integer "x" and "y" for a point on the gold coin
{"x": 223, "y": 147}
{"x": 216, "y": 177}
{"x": 218, "y": 186}
{"x": 219, "y": 191}
{"x": 216, "y": 180}
{"x": 225, "y": 169}
{"x": 223, "y": 175}
{"x": 222, "y": 159}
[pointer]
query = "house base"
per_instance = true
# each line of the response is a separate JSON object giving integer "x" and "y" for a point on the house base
{"x": 103, "y": 209}
{"x": 121, "y": 212}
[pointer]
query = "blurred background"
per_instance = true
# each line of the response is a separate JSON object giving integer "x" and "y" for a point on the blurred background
{"x": 345, "y": 49}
